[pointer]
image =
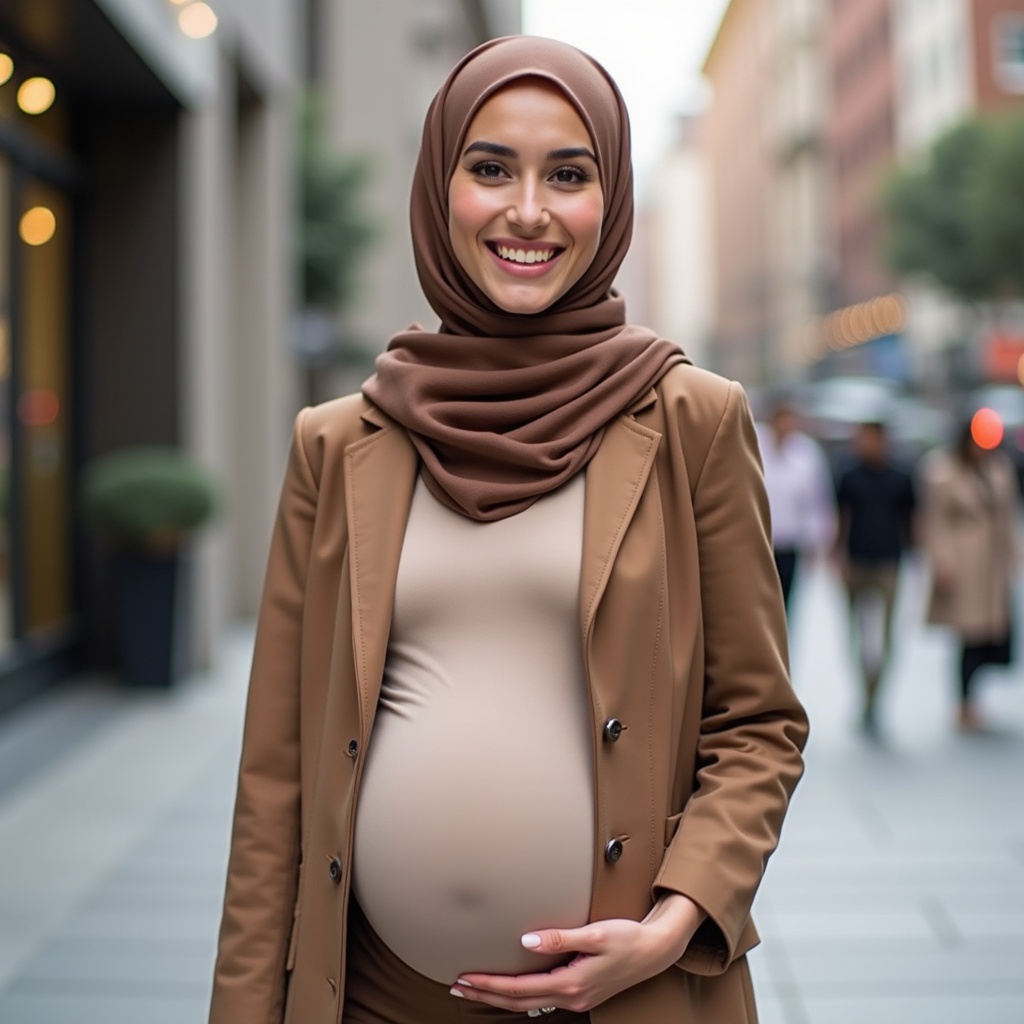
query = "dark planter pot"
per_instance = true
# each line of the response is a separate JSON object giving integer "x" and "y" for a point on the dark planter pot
{"x": 153, "y": 641}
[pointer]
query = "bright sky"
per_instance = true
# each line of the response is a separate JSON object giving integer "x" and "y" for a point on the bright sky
{"x": 652, "y": 48}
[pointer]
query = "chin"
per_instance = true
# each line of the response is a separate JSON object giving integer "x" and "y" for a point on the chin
{"x": 523, "y": 305}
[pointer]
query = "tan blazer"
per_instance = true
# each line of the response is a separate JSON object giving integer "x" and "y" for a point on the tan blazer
{"x": 970, "y": 533}
{"x": 684, "y": 638}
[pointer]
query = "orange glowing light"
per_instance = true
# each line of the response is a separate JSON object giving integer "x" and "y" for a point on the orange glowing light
{"x": 38, "y": 407}
{"x": 987, "y": 429}
{"x": 37, "y": 225}
{"x": 6, "y": 68}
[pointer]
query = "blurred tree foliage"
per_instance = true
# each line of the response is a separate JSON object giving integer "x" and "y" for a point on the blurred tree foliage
{"x": 334, "y": 229}
{"x": 959, "y": 217}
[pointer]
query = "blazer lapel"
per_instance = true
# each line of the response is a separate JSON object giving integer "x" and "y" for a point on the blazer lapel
{"x": 615, "y": 480}
{"x": 380, "y": 473}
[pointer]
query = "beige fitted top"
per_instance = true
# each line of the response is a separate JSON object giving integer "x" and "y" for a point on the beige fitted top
{"x": 475, "y": 821}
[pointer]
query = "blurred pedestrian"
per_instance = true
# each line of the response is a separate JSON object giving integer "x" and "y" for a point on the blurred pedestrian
{"x": 520, "y": 695}
{"x": 801, "y": 493}
{"x": 876, "y": 505}
{"x": 970, "y": 529}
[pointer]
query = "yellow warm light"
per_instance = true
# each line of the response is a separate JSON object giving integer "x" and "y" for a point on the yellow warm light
{"x": 1020, "y": 369}
{"x": 36, "y": 95}
{"x": 37, "y": 226}
{"x": 6, "y": 68}
{"x": 197, "y": 21}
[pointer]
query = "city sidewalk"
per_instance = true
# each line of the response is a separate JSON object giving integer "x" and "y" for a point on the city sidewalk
{"x": 897, "y": 896}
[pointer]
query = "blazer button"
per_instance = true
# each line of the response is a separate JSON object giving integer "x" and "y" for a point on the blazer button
{"x": 612, "y": 850}
{"x": 335, "y": 870}
{"x": 353, "y": 749}
{"x": 612, "y": 730}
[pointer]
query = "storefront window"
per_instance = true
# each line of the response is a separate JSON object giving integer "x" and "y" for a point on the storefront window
{"x": 44, "y": 239}
{"x": 6, "y": 598}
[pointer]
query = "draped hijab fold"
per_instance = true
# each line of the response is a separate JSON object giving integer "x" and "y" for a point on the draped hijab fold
{"x": 504, "y": 408}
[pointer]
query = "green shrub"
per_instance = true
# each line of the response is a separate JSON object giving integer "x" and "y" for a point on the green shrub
{"x": 148, "y": 498}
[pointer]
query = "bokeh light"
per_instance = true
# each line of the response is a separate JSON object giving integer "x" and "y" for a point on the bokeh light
{"x": 6, "y": 68}
{"x": 197, "y": 21}
{"x": 36, "y": 95}
{"x": 37, "y": 225}
{"x": 38, "y": 407}
{"x": 987, "y": 429}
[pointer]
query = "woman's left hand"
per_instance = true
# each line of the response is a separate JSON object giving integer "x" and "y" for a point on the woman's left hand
{"x": 611, "y": 956}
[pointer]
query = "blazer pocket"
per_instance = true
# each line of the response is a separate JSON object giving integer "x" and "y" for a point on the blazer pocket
{"x": 671, "y": 825}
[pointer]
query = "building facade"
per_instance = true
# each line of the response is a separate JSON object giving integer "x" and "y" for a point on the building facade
{"x": 954, "y": 58}
{"x": 152, "y": 142}
{"x": 736, "y": 138}
{"x": 861, "y": 142}
{"x": 764, "y": 136}
{"x": 800, "y": 229}
{"x": 380, "y": 117}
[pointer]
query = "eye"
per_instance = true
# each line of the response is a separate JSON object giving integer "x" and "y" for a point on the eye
{"x": 570, "y": 176}
{"x": 488, "y": 169}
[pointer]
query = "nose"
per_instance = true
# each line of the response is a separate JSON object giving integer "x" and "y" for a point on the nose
{"x": 527, "y": 209}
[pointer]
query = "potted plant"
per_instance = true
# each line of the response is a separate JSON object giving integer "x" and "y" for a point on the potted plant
{"x": 148, "y": 502}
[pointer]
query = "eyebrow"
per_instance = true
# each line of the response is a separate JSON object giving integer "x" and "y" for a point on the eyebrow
{"x": 495, "y": 149}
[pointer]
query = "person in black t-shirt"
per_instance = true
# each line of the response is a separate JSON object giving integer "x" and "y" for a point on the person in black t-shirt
{"x": 876, "y": 507}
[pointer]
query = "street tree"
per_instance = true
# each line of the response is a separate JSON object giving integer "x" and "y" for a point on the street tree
{"x": 958, "y": 217}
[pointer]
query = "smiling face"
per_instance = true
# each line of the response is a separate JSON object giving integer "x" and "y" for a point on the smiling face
{"x": 525, "y": 202}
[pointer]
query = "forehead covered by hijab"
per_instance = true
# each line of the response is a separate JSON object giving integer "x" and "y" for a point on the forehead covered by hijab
{"x": 483, "y": 72}
{"x": 493, "y": 67}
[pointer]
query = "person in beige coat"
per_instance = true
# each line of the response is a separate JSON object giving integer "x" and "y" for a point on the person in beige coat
{"x": 969, "y": 515}
{"x": 520, "y": 735}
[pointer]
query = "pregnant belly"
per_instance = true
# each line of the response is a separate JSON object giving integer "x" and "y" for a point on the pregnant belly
{"x": 463, "y": 845}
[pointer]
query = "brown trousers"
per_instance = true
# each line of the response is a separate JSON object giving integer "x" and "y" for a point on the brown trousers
{"x": 381, "y": 989}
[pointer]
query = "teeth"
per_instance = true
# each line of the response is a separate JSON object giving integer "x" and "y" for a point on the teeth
{"x": 524, "y": 255}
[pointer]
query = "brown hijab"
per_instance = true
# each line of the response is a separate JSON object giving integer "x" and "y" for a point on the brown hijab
{"x": 505, "y": 407}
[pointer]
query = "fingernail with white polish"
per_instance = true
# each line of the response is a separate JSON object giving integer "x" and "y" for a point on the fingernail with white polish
{"x": 456, "y": 992}
{"x": 530, "y": 941}
{"x": 462, "y": 981}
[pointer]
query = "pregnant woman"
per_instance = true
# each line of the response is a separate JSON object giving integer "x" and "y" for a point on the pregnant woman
{"x": 520, "y": 735}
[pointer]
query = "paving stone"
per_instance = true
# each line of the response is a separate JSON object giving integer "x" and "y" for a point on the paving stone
{"x": 86, "y": 1008}
{"x": 118, "y": 964}
{"x": 850, "y": 969}
{"x": 917, "y": 1008}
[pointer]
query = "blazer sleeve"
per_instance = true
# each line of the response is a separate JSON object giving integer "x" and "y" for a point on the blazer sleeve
{"x": 753, "y": 728}
{"x": 249, "y": 978}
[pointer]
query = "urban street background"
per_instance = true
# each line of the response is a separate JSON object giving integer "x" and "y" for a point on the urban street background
{"x": 203, "y": 228}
